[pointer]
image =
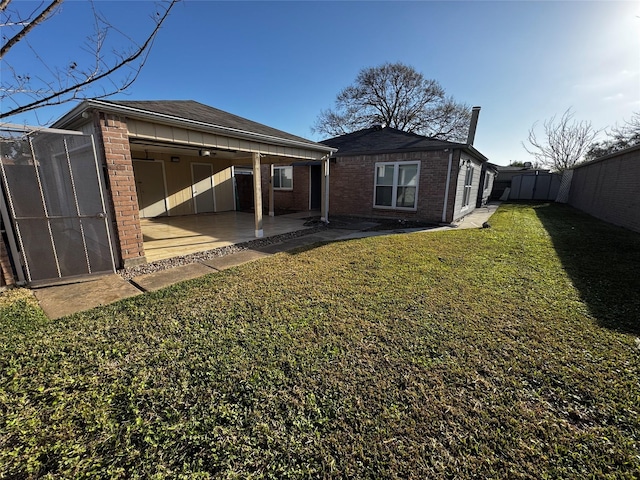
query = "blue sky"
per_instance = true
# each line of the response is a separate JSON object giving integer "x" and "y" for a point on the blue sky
{"x": 280, "y": 63}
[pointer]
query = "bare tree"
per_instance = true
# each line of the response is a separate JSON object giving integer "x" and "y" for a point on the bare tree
{"x": 398, "y": 96}
{"x": 563, "y": 142}
{"x": 620, "y": 137}
{"x": 106, "y": 66}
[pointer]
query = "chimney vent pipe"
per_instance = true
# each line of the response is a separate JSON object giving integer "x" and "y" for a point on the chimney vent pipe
{"x": 475, "y": 112}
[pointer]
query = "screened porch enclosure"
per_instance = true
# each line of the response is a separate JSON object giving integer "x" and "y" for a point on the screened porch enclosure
{"x": 54, "y": 200}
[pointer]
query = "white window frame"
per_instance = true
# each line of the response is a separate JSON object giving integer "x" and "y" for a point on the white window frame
{"x": 394, "y": 193}
{"x": 277, "y": 172}
{"x": 468, "y": 185}
{"x": 487, "y": 180}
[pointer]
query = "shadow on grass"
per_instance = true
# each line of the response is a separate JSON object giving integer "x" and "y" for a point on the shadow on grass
{"x": 602, "y": 260}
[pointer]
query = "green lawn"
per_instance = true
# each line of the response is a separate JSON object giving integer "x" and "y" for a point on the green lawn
{"x": 507, "y": 352}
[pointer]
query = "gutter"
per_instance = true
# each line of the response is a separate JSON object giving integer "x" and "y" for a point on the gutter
{"x": 183, "y": 122}
{"x": 471, "y": 150}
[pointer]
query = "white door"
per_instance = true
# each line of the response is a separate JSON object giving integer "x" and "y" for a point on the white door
{"x": 203, "y": 196}
{"x": 150, "y": 187}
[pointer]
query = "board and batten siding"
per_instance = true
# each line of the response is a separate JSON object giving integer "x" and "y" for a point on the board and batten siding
{"x": 179, "y": 182}
{"x": 223, "y": 190}
{"x": 171, "y": 134}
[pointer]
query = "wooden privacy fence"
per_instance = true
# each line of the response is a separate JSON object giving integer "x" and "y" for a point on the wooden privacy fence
{"x": 535, "y": 186}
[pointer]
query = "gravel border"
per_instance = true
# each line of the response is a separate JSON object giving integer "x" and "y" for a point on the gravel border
{"x": 314, "y": 224}
{"x": 152, "y": 267}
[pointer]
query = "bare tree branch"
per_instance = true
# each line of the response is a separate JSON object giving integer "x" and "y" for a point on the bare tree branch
{"x": 563, "y": 143}
{"x": 28, "y": 27}
{"x": 398, "y": 96}
{"x": 620, "y": 137}
{"x": 69, "y": 84}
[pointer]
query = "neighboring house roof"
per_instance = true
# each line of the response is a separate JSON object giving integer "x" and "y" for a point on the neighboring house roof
{"x": 194, "y": 115}
{"x": 386, "y": 140}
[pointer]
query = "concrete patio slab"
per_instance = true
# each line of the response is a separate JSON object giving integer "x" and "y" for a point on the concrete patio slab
{"x": 235, "y": 259}
{"x": 61, "y": 300}
{"x": 151, "y": 282}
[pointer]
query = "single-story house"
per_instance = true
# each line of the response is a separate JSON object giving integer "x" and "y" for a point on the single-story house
{"x": 106, "y": 166}
{"x": 384, "y": 172}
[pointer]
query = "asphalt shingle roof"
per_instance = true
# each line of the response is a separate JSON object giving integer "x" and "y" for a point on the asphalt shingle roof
{"x": 195, "y": 111}
{"x": 387, "y": 139}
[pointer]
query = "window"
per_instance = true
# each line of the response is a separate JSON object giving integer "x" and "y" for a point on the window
{"x": 283, "y": 178}
{"x": 396, "y": 185}
{"x": 468, "y": 181}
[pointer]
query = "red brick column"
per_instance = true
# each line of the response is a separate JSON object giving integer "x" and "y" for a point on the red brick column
{"x": 6, "y": 273}
{"x": 117, "y": 157}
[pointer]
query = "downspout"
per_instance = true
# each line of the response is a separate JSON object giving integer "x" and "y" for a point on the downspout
{"x": 446, "y": 188}
{"x": 324, "y": 186}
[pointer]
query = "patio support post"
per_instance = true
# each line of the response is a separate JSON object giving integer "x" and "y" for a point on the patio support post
{"x": 324, "y": 208}
{"x": 257, "y": 194}
{"x": 272, "y": 199}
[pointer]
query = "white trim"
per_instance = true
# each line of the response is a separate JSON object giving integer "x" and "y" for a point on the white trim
{"x": 469, "y": 186}
{"x": 28, "y": 129}
{"x": 282, "y": 189}
{"x": 396, "y": 169}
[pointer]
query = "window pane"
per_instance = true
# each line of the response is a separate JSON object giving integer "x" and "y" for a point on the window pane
{"x": 287, "y": 177}
{"x": 383, "y": 196}
{"x": 468, "y": 179}
{"x": 408, "y": 175}
{"x": 276, "y": 178}
{"x": 406, "y": 197}
{"x": 384, "y": 175}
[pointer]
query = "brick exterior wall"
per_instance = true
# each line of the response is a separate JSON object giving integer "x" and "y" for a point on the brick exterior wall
{"x": 351, "y": 180}
{"x": 296, "y": 199}
{"x": 113, "y": 136}
{"x": 608, "y": 188}
{"x": 6, "y": 273}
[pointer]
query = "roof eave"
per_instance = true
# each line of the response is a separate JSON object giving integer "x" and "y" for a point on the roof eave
{"x": 473, "y": 151}
{"x": 455, "y": 146}
{"x": 77, "y": 112}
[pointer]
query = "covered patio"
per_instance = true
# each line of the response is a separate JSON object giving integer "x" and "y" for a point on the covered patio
{"x": 167, "y": 237}
{"x": 170, "y": 168}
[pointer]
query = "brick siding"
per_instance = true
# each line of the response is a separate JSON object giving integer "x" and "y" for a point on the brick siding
{"x": 296, "y": 199}
{"x": 608, "y": 188}
{"x": 351, "y": 181}
{"x": 6, "y": 272}
{"x": 114, "y": 138}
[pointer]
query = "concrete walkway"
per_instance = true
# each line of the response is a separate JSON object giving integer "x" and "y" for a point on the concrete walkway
{"x": 61, "y": 300}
